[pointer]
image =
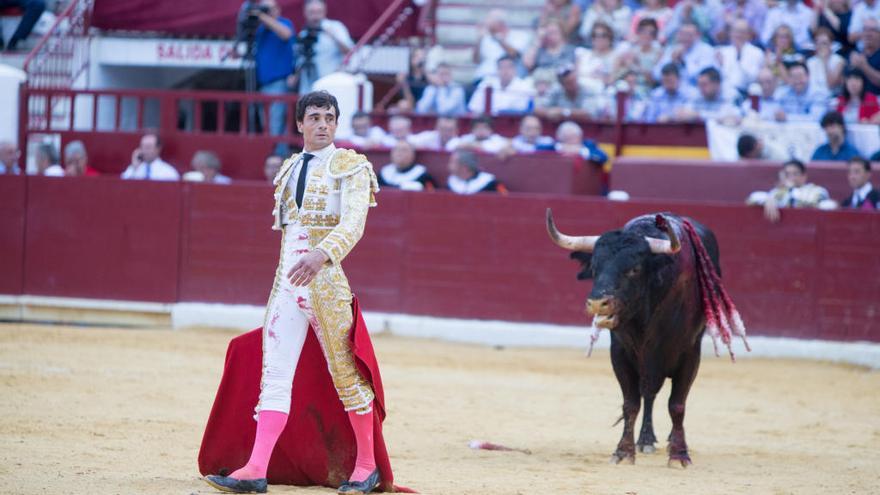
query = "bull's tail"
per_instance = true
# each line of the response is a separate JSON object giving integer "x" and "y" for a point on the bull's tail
{"x": 722, "y": 319}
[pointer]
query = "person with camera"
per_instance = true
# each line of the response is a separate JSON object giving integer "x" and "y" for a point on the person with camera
{"x": 323, "y": 44}
{"x": 274, "y": 43}
{"x": 146, "y": 163}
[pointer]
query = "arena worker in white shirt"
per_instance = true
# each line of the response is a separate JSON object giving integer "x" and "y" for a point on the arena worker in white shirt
{"x": 146, "y": 163}
{"x": 509, "y": 94}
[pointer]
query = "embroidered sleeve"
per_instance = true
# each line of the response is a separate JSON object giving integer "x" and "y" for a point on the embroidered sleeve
{"x": 356, "y": 194}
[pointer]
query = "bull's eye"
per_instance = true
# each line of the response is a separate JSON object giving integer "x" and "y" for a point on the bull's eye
{"x": 634, "y": 271}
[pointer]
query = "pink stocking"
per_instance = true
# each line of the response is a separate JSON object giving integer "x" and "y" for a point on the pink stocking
{"x": 362, "y": 424}
{"x": 270, "y": 424}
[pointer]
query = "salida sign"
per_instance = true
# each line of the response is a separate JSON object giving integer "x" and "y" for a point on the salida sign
{"x": 192, "y": 52}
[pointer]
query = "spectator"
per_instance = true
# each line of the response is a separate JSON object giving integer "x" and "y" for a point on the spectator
{"x": 797, "y": 100}
{"x": 868, "y": 59}
{"x": 740, "y": 61}
{"x": 33, "y": 9}
{"x": 46, "y": 159}
{"x": 768, "y": 108}
{"x": 865, "y": 9}
{"x": 465, "y": 176}
{"x": 146, "y": 163}
{"x": 689, "y": 53}
{"x": 710, "y": 104}
{"x": 796, "y": 16}
{"x": 596, "y": 66}
{"x": 567, "y": 13}
{"x": 443, "y": 95}
{"x": 530, "y": 137}
{"x": 272, "y": 166}
{"x": 206, "y": 168}
{"x": 641, "y": 56}
{"x": 274, "y": 58}
{"x": 549, "y": 49}
{"x": 9, "y": 155}
{"x": 570, "y": 141}
{"x": 445, "y": 132}
{"x": 655, "y": 10}
{"x": 323, "y": 43}
{"x": 413, "y": 83}
{"x": 510, "y": 94}
{"x": 782, "y": 52}
{"x": 834, "y": 15}
{"x": 481, "y": 138}
{"x": 403, "y": 172}
{"x": 399, "y": 129}
{"x": 568, "y": 99}
{"x": 76, "y": 161}
{"x": 826, "y": 67}
{"x": 864, "y": 196}
{"x": 837, "y": 148}
{"x": 854, "y": 103}
{"x": 364, "y": 134}
{"x": 495, "y": 41}
{"x": 750, "y": 147}
{"x": 792, "y": 191}
{"x": 751, "y": 11}
{"x": 544, "y": 81}
{"x": 705, "y": 15}
{"x": 612, "y": 13}
{"x": 669, "y": 98}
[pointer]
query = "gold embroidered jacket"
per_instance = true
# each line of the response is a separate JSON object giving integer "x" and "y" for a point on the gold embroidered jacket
{"x": 338, "y": 194}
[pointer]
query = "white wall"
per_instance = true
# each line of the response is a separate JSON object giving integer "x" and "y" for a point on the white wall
{"x": 10, "y": 81}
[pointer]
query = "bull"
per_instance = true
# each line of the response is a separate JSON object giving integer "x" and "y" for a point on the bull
{"x": 657, "y": 288}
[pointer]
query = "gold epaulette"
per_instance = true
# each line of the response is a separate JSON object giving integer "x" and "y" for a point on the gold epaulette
{"x": 346, "y": 162}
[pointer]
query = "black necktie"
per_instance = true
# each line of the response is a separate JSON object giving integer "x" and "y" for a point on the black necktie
{"x": 301, "y": 181}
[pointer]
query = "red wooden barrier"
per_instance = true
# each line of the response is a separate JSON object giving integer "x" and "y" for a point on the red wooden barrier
{"x": 13, "y": 194}
{"x": 814, "y": 275}
{"x": 700, "y": 180}
{"x": 102, "y": 238}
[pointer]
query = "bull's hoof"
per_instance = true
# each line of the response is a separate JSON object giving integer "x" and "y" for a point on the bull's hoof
{"x": 676, "y": 461}
{"x": 623, "y": 458}
{"x": 647, "y": 449}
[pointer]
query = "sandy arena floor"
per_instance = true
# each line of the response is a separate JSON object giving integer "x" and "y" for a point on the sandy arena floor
{"x": 106, "y": 411}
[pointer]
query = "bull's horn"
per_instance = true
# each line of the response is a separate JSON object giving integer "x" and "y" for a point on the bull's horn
{"x": 662, "y": 246}
{"x": 583, "y": 243}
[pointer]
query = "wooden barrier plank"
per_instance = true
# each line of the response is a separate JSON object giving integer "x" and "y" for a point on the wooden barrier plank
{"x": 13, "y": 194}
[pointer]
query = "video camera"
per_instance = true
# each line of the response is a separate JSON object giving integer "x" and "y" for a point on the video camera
{"x": 249, "y": 20}
{"x": 307, "y": 39}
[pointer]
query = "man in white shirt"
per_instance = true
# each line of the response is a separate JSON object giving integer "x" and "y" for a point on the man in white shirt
{"x": 146, "y": 163}
{"x": 9, "y": 155}
{"x": 364, "y": 134}
{"x": 438, "y": 139}
{"x": 326, "y": 40}
{"x": 689, "y": 53}
{"x": 482, "y": 138}
{"x": 206, "y": 168}
{"x": 740, "y": 60}
{"x": 531, "y": 136}
{"x": 797, "y": 16}
{"x": 865, "y": 9}
{"x": 444, "y": 96}
{"x": 509, "y": 94}
{"x": 399, "y": 129}
{"x": 496, "y": 40}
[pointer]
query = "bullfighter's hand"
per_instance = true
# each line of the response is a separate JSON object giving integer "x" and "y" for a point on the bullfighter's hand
{"x": 305, "y": 270}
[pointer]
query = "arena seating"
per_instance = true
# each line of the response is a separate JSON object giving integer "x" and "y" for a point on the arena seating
{"x": 814, "y": 275}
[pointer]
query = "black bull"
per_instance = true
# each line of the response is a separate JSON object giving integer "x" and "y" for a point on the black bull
{"x": 649, "y": 288}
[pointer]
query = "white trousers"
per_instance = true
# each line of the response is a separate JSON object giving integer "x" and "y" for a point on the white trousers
{"x": 325, "y": 305}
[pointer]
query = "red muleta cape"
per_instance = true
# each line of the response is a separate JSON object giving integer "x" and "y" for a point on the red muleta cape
{"x": 317, "y": 447}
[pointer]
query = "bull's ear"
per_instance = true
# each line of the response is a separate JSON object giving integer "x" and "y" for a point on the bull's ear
{"x": 585, "y": 260}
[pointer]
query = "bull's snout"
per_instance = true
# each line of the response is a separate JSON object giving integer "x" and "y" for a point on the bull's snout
{"x": 604, "y": 306}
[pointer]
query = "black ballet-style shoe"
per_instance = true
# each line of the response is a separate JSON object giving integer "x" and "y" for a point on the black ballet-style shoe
{"x": 232, "y": 485}
{"x": 361, "y": 487}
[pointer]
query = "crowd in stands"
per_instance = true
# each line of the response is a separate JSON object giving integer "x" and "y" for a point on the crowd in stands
{"x": 697, "y": 60}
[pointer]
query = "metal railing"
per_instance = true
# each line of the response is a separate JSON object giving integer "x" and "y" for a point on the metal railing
{"x": 62, "y": 56}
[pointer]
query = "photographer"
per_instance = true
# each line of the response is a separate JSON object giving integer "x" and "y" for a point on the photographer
{"x": 274, "y": 44}
{"x": 323, "y": 44}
